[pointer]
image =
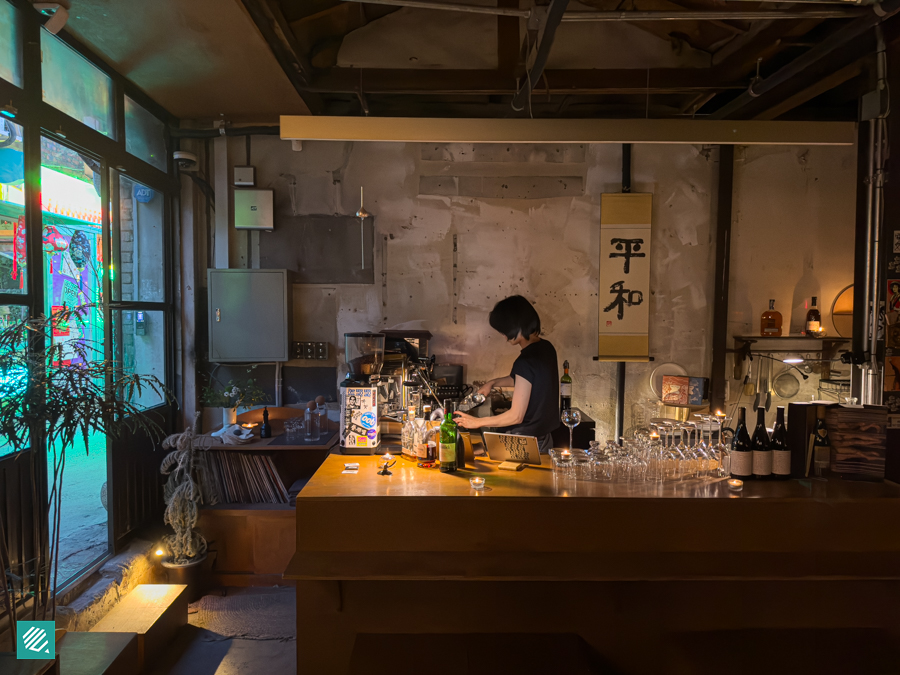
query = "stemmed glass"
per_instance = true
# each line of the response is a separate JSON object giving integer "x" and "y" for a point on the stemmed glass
{"x": 571, "y": 418}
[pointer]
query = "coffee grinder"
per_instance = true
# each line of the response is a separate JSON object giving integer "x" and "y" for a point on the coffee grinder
{"x": 360, "y": 434}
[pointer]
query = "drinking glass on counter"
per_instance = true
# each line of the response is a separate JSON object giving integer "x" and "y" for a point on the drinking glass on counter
{"x": 563, "y": 462}
{"x": 571, "y": 418}
{"x": 293, "y": 429}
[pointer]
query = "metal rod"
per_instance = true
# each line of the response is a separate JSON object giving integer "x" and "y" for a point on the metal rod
{"x": 862, "y": 262}
{"x": 712, "y": 15}
{"x": 620, "y": 366}
{"x": 554, "y": 16}
{"x": 582, "y": 17}
{"x": 875, "y": 270}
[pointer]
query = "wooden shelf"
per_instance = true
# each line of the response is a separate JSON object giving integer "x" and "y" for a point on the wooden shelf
{"x": 827, "y": 346}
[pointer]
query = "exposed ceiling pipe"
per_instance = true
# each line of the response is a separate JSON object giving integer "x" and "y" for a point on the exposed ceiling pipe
{"x": 687, "y": 15}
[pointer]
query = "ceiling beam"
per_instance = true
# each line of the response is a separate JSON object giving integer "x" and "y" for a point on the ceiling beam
{"x": 782, "y": 78}
{"x": 509, "y": 43}
{"x": 818, "y": 88}
{"x": 277, "y": 34}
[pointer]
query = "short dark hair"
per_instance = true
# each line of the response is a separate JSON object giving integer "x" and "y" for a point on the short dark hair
{"x": 514, "y": 315}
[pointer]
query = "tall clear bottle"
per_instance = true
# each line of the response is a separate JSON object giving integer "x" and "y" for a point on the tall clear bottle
{"x": 781, "y": 455}
{"x": 762, "y": 450}
{"x": 741, "y": 452}
{"x": 447, "y": 447}
{"x": 408, "y": 439}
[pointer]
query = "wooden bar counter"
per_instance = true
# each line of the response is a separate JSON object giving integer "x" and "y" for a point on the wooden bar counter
{"x": 638, "y": 572}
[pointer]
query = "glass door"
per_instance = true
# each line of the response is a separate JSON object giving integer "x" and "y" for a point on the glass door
{"x": 73, "y": 278}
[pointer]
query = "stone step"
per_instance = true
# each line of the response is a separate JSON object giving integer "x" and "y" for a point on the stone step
{"x": 98, "y": 654}
{"x": 154, "y": 611}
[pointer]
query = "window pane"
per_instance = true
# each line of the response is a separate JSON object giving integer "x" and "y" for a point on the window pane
{"x": 10, "y": 46}
{"x": 73, "y": 255}
{"x": 144, "y": 135}
{"x": 141, "y": 243}
{"x": 139, "y": 340}
{"x": 73, "y": 275}
{"x": 12, "y": 372}
{"x": 12, "y": 208}
{"x": 75, "y": 86}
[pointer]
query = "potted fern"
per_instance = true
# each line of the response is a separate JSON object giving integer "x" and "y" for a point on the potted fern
{"x": 244, "y": 393}
{"x": 54, "y": 392}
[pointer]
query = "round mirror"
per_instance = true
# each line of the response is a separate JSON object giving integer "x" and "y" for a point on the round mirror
{"x": 842, "y": 312}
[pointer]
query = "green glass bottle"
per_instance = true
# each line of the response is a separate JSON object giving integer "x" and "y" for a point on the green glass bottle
{"x": 447, "y": 448}
{"x": 565, "y": 388}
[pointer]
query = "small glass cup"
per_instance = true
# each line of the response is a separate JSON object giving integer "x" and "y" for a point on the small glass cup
{"x": 311, "y": 424}
{"x": 293, "y": 429}
{"x": 563, "y": 462}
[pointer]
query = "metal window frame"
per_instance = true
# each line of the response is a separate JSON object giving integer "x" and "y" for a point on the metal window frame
{"x": 38, "y": 119}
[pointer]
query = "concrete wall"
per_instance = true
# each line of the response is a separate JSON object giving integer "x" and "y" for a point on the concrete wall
{"x": 546, "y": 248}
{"x": 793, "y": 238}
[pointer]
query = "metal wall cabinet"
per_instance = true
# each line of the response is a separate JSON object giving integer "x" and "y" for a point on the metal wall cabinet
{"x": 249, "y": 315}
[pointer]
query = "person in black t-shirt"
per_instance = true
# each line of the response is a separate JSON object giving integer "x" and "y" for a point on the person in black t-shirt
{"x": 535, "y": 376}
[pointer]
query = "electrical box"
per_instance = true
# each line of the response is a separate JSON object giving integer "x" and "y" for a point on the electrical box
{"x": 245, "y": 176}
{"x": 249, "y": 315}
{"x": 254, "y": 209}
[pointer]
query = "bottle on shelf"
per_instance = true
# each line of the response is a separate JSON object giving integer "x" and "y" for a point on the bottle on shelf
{"x": 813, "y": 318}
{"x": 311, "y": 421}
{"x": 741, "y": 452}
{"x": 781, "y": 456}
{"x": 565, "y": 388}
{"x": 821, "y": 450}
{"x": 447, "y": 447}
{"x": 265, "y": 429}
{"x": 762, "y": 449}
{"x": 770, "y": 322}
{"x": 408, "y": 439}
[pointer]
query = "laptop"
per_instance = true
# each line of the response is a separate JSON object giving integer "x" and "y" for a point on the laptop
{"x": 514, "y": 452}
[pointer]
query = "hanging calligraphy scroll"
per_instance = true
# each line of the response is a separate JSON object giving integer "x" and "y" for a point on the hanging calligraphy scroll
{"x": 625, "y": 276}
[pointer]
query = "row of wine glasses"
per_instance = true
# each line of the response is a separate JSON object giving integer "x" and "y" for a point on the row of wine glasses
{"x": 667, "y": 451}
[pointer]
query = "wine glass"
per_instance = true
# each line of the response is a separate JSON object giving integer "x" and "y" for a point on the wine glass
{"x": 571, "y": 418}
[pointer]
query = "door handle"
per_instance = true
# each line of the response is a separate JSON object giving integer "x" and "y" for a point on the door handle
{"x": 218, "y": 314}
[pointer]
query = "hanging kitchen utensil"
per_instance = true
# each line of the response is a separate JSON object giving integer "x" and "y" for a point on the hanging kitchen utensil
{"x": 769, "y": 386}
{"x": 759, "y": 369}
{"x": 787, "y": 385}
{"x": 362, "y": 214}
{"x": 749, "y": 387}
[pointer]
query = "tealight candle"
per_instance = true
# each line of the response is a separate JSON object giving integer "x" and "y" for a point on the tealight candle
{"x": 249, "y": 425}
{"x": 565, "y": 454}
{"x": 387, "y": 457}
{"x": 477, "y": 482}
{"x": 735, "y": 484}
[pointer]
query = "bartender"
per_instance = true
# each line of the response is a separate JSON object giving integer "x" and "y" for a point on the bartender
{"x": 534, "y": 376}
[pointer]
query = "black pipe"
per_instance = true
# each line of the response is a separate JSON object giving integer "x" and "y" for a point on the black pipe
{"x": 554, "y": 17}
{"x": 274, "y": 130}
{"x": 720, "y": 286}
{"x": 620, "y": 366}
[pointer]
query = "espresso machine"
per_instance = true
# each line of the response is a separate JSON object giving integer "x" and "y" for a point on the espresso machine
{"x": 360, "y": 433}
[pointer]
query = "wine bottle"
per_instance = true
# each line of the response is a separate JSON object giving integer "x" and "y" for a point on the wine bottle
{"x": 565, "y": 388}
{"x": 762, "y": 450}
{"x": 813, "y": 319}
{"x": 770, "y": 322}
{"x": 781, "y": 455}
{"x": 821, "y": 444}
{"x": 741, "y": 452}
{"x": 447, "y": 448}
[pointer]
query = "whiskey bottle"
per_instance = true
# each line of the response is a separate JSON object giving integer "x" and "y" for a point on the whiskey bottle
{"x": 813, "y": 319}
{"x": 770, "y": 322}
